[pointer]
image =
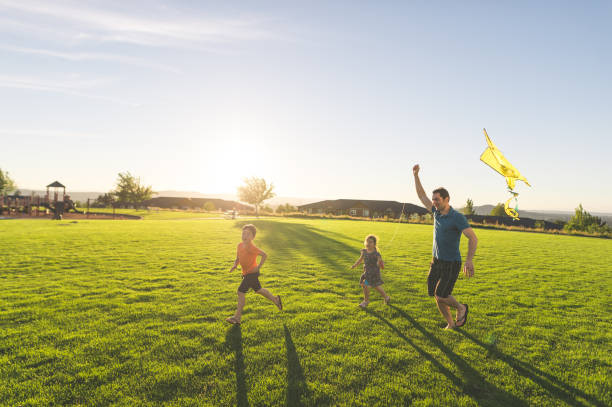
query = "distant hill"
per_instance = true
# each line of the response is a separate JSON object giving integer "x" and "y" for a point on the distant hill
{"x": 550, "y": 216}
{"x": 274, "y": 202}
{"x": 75, "y": 196}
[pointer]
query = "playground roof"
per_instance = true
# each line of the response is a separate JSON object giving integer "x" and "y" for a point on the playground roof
{"x": 56, "y": 184}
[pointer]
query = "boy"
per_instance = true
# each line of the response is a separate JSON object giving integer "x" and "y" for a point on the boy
{"x": 247, "y": 257}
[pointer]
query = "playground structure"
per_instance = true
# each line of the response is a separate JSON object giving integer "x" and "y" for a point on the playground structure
{"x": 56, "y": 202}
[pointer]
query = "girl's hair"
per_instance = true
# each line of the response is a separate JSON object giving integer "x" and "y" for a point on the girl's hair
{"x": 373, "y": 237}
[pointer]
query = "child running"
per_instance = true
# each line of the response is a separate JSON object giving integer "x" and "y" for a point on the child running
{"x": 372, "y": 263}
{"x": 247, "y": 257}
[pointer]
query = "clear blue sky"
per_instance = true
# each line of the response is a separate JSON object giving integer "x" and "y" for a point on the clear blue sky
{"x": 325, "y": 99}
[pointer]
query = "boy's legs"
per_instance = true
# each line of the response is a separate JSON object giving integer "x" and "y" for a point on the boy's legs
{"x": 265, "y": 293}
{"x": 240, "y": 307}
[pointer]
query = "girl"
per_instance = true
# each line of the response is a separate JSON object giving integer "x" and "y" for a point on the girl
{"x": 372, "y": 263}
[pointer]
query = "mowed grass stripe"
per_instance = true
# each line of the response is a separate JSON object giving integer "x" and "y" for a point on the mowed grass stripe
{"x": 132, "y": 313}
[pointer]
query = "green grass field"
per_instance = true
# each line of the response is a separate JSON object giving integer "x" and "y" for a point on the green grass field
{"x": 132, "y": 313}
{"x": 160, "y": 214}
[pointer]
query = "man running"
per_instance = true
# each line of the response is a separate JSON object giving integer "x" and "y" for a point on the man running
{"x": 446, "y": 262}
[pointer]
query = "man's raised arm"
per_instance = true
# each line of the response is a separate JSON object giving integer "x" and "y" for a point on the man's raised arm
{"x": 419, "y": 189}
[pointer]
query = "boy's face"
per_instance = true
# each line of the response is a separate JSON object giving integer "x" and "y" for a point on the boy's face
{"x": 247, "y": 236}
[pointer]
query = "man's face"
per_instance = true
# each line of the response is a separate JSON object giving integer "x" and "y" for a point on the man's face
{"x": 247, "y": 236}
{"x": 439, "y": 203}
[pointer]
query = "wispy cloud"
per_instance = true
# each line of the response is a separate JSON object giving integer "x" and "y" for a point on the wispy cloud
{"x": 89, "y": 56}
{"x": 74, "y": 87}
{"x": 87, "y": 23}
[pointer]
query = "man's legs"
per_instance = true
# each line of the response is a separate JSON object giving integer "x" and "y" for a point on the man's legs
{"x": 452, "y": 302}
{"x": 443, "y": 307}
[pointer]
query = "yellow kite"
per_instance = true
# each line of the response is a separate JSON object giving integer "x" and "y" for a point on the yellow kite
{"x": 496, "y": 160}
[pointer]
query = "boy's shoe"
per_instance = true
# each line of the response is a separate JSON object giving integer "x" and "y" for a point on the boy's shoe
{"x": 232, "y": 320}
{"x": 364, "y": 304}
{"x": 280, "y": 303}
{"x": 387, "y": 300}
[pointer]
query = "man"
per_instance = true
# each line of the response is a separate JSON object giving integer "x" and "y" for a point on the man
{"x": 446, "y": 262}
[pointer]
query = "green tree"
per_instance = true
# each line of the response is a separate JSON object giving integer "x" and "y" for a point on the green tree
{"x": 286, "y": 208}
{"x": 7, "y": 185}
{"x": 585, "y": 222}
{"x": 130, "y": 191}
{"x": 498, "y": 210}
{"x": 469, "y": 208}
{"x": 255, "y": 191}
{"x": 209, "y": 206}
{"x": 104, "y": 201}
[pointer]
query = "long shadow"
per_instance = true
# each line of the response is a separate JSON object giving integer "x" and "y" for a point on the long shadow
{"x": 553, "y": 385}
{"x": 296, "y": 383}
{"x": 233, "y": 340}
{"x": 471, "y": 382}
{"x": 311, "y": 242}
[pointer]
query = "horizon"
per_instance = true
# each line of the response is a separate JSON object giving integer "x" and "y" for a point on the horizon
{"x": 322, "y": 100}
{"x": 233, "y": 196}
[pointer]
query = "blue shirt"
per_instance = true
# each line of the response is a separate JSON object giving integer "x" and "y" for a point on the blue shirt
{"x": 447, "y": 232}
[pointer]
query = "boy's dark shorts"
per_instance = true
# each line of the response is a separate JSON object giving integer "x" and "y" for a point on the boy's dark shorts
{"x": 250, "y": 280}
{"x": 442, "y": 277}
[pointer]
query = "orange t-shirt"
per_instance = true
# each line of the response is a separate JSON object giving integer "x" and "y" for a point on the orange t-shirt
{"x": 247, "y": 256}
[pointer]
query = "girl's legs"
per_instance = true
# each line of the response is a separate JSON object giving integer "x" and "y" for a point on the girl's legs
{"x": 383, "y": 293}
{"x": 366, "y": 296}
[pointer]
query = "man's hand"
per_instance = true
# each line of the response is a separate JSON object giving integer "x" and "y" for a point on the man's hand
{"x": 415, "y": 169}
{"x": 468, "y": 269}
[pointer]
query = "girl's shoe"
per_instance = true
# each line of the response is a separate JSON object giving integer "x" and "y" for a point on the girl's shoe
{"x": 387, "y": 300}
{"x": 364, "y": 304}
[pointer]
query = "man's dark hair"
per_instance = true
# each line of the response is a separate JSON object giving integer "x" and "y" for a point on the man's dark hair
{"x": 442, "y": 191}
{"x": 250, "y": 228}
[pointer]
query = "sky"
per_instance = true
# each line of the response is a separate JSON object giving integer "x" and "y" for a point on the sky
{"x": 323, "y": 99}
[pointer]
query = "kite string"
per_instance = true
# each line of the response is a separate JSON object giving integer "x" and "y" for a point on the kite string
{"x": 397, "y": 226}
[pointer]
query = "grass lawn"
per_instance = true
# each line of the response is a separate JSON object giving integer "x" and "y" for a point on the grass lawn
{"x": 160, "y": 214}
{"x": 132, "y": 313}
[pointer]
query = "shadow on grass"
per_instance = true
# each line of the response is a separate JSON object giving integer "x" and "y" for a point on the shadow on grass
{"x": 311, "y": 242}
{"x": 233, "y": 340}
{"x": 554, "y": 386}
{"x": 296, "y": 383}
{"x": 471, "y": 382}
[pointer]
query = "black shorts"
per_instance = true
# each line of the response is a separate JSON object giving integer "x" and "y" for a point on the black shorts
{"x": 250, "y": 280}
{"x": 442, "y": 277}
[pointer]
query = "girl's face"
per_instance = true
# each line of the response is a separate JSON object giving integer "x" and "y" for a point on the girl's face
{"x": 370, "y": 245}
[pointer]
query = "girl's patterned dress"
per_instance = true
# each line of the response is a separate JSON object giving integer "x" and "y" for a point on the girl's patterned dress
{"x": 371, "y": 270}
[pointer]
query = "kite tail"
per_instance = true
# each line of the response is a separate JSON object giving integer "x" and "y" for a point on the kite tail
{"x": 512, "y": 212}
